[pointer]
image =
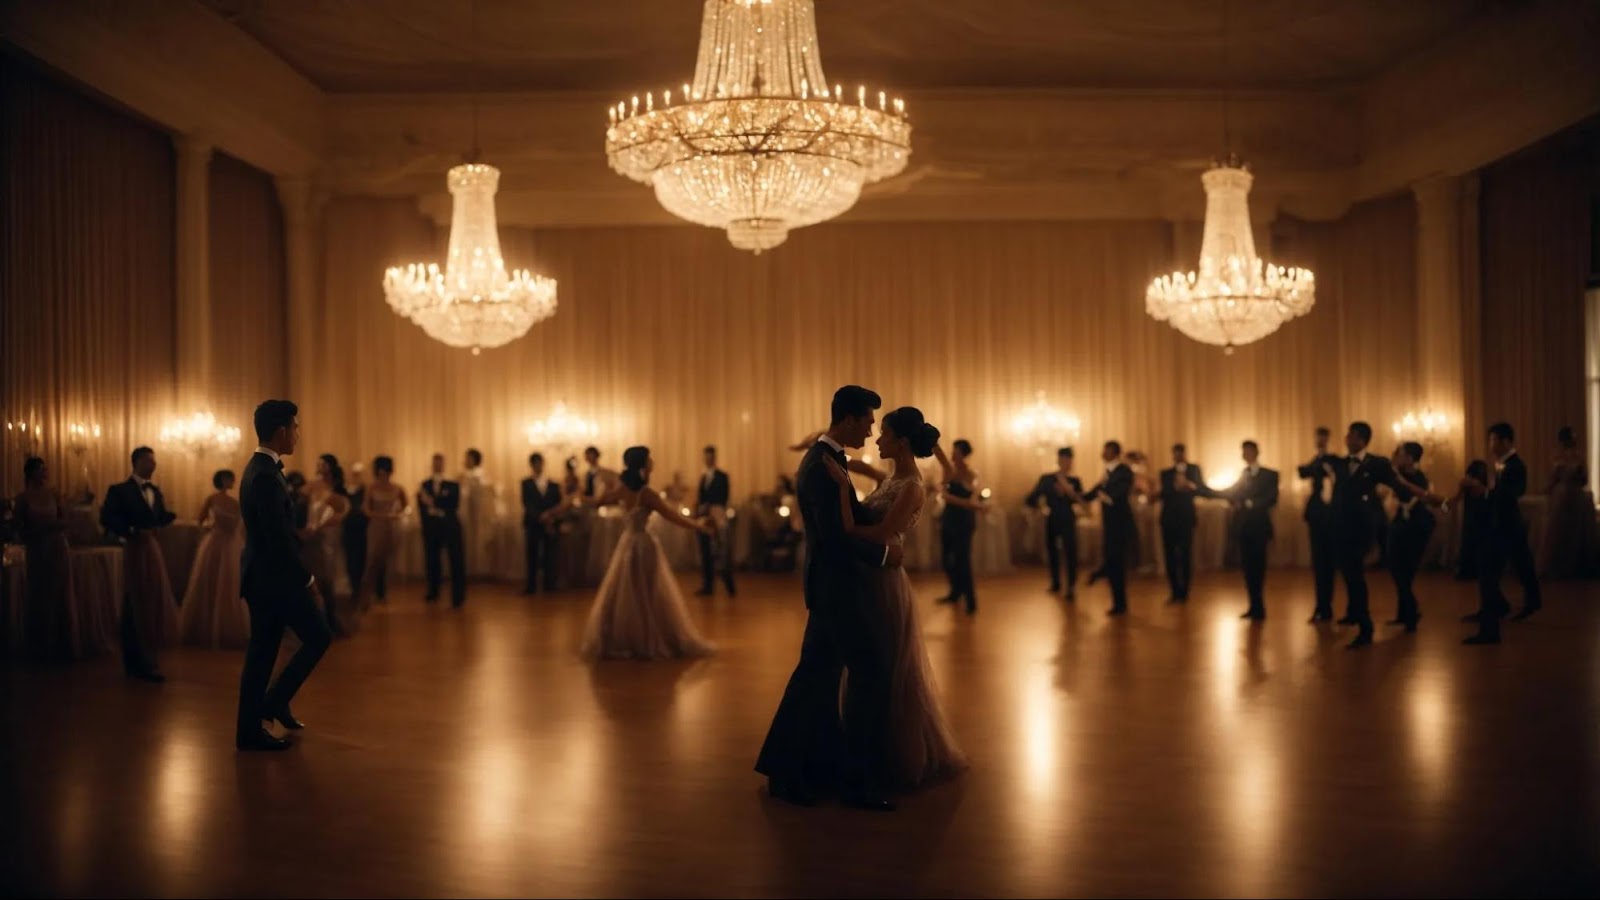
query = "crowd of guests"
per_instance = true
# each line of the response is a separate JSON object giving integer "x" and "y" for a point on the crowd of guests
{"x": 1346, "y": 519}
{"x": 350, "y": 529}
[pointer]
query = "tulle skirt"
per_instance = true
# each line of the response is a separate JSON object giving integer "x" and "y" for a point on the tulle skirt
{"x": 639, "y": 612}
{"x": 214, "y": 614}
{"x": 921, "y": 747}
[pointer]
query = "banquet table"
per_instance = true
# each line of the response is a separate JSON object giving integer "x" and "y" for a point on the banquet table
{"x": 97, "y": 588}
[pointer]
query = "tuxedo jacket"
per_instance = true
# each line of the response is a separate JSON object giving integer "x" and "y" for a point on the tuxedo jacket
{"x": 271, "y": 565}
{"x": 1116, "y": 509}
{"x": 1510, "y": 483}
{"x": 1253, "y": 497}
{"x": 835, "y": 560}
{"x": 1177, "y": 507}
{"x": 712, "y": 493}
{"x": 125, "y": 512}
{"x": 447, "y": 500}
{"x": 1059, "y": 502}
{"x": 536, "y": 504}
{"x": 1356, "y": 508}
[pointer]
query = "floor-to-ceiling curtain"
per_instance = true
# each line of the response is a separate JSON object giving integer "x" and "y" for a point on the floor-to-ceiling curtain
{"x": 1535, "y": 233}
{"x": 248, "y": 357}
{"x": 669, "y": 337}
{"x": 86, "y": 276}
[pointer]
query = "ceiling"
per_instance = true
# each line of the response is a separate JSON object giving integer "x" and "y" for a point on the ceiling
{"x": 363, "y": 46}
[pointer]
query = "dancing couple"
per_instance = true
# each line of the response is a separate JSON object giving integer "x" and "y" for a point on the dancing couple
{"x": 863, "y": 628}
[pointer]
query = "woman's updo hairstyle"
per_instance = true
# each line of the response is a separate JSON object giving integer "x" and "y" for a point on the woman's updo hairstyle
{"x": 633, "y": 463}
{"x": 908, "y": 423}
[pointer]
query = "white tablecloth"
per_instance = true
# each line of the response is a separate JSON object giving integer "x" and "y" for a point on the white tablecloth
{"x": 97, "y": 587}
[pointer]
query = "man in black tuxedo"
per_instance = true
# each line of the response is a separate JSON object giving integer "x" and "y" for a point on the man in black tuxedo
{"x": 711, "y": 503}
{"x": 1355, "y": 491}
{"x": 439, "y": 501}
{"x": 1179, "y": 485}
{"x": 1253, "y": 496}
{"x": 133, "y": 511}
{"x": 1506, "y": 540}
{"x": 1061, "y": 491}
{"x": 277, "y": 586}
{"x": 541, "y": 503}
{"x": 1119, "y": 532}
{"x": 1319, "y": 524}
{"x": 806, "y": 750}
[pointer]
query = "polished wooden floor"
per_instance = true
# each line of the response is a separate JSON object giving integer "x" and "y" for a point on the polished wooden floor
{"x": 1179, "y": 752}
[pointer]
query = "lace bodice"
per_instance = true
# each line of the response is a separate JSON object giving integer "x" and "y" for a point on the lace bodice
{"x": 883, "y": 497}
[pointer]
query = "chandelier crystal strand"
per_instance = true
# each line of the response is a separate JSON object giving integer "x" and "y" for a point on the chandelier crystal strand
{"x": 1234, "y": 297}
{"x": 758, "y": 145}
{"x": 474, "y": 302}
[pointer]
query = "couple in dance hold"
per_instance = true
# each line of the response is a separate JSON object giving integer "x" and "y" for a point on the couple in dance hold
{"x": 862, "y": 628}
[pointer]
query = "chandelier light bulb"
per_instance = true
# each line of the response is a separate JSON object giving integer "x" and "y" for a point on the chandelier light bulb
{"x": 473, "y": 302}
{"x": 752, "y": 149}
{"x": 1233, "y": 298}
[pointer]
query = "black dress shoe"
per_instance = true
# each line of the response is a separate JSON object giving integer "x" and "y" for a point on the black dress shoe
{"x": 868, "y": 802}
{"x": 948, "y": 598}
{"x": 1117, "y": 611}
{"x": 1481, "y": 638}
{"x": 791, "y": 793}
{"x": 1174, "y": 600}
{"x": 1364, "y": 639}
{"x": 1526, "y": 611}
{"x": 286, "y": 718}
{"x": 1253, "y": 614}
{"x": 1317, "y": 617}
{"x": 1348, "y": 620}
{"x": 1095, "y": 577}
{"x": 1411, "y": 625}
{"x": 1054, "y": 588}
{"x": 261, "y": 740}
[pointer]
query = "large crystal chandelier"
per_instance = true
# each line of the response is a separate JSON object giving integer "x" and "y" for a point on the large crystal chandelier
{"x": 759, "y": 144}
{"x": 473, "y": 302}
{"x": 1234, "y": 298}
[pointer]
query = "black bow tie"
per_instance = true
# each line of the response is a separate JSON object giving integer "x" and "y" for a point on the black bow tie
{"x": 279, "y": 464}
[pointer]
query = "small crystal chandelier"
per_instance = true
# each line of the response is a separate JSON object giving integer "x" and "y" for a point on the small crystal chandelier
{"x": 1234, "y": 298}
{"x": 200, "y": 434}
{"x": 758, "y": 144}
{"x": 561, "y": 431}
{"x": 1427, "y": 427}
{"x": 1044, "y": 428}
{"x": 474, "y": 302}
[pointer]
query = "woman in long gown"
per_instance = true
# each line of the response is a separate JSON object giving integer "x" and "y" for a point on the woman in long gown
{"x": 480, "y": 511}
{"x": 322, "y": 545}
{"x": 48, "y": 607}
{"x": 638, "y": 612}
{"x": 1569, "y": 528}
{"x": 921, "y": 748}
{"x": 384, "y": 503}
{"x": 214, "y": 613}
